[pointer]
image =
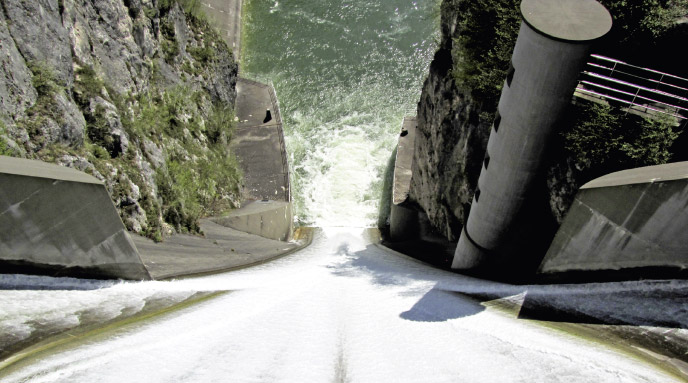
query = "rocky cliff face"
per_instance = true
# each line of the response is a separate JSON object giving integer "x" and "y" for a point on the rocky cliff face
{"x": 128, "y": 91}
{"x": 460, "y": 94}
{"x": 450, "y": 141}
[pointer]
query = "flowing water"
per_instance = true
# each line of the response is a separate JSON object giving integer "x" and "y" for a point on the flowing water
{"x": 346, "y": 72}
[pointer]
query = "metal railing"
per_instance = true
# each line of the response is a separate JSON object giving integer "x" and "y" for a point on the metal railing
{"x": 638, "y": 89}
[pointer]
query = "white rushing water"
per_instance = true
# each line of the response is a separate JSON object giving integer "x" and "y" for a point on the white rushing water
{"x": 346, "y": 73}
{"x": 340, "y": 310}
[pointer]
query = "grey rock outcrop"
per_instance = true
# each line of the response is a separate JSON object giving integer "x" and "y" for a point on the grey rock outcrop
{"x": 16, "y": 92}
{"x": 450, "y": 143}
{"x": 87, "y": 83}
{"x": 37, "y": 30}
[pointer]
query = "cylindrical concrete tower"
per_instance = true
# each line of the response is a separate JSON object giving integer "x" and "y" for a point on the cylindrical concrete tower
{"x": 550, "y": 51}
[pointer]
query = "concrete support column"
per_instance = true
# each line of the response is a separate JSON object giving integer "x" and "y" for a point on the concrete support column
{"x": 550, "y": 51}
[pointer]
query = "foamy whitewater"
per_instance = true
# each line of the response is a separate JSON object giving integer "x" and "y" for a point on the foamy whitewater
{"x": 341, "y": 310}
{"x": 346, "y": 73}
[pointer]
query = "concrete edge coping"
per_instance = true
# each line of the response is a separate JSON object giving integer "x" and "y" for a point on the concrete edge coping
{"x": 40, "y": 169}
{"x": 647, "y": 174}
{"x": 402, "y": 255}
{"x": 304, "y": 234}
{"x": 254, "y": 207}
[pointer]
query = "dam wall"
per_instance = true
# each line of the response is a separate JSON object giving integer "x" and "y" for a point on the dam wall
{"x": 626, "y": 220}
{"x": 59, "y": 221}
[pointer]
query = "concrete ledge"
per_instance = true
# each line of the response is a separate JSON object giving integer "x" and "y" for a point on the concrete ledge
{"x": 626, "y": 220}
{"x": 259, "y": 143}
{"x": 59, "y": 221}
{"x": 268, "y": 219}
{"x": 220, "y": 249}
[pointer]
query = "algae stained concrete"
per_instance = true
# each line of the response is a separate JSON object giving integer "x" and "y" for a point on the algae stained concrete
{"x": 220, "y": 249}
{"x": 268, "y": 219}
{"x": 632, "y": 219}
{"x": 259, "y": 143}
{"x": 60, "y": 221}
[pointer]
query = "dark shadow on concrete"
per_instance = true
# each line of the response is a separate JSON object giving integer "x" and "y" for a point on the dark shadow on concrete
{"x": 658, "y": 303}
{"x": 38, "y": 282}
{"x": 629, "y": 274}
{"x": 429, "y": 247}
{"x": 103, "y": 272}
{"x": 440, "y": 305}
{"x": 648, "y": 303}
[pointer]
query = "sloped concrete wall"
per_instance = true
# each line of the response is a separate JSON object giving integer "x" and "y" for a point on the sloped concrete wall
{"x": 268, "y": 219}
{"x": 61, "y": 221}
{"x": 403, "y": 221}
{"x": 636, "y": 218}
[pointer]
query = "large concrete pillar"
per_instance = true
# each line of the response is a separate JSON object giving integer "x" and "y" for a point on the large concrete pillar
{"x": 550, "y": 51}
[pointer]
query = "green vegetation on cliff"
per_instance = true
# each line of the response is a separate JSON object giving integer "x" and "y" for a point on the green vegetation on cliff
{"x": 594, "y": 134}
{"x": 463, "y": 87}
{"x": 144, "y": 102}
{"x": 486, "y": 33}
{"x": 599, "y": 135}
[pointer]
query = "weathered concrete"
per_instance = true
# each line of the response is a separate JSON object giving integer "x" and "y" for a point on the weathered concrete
{"x": 61, "y": 221}
{"x": 630, "y": 219}
{"x": 404, "y": 161}
{"x": 550, "y": 51}
{"x": 268, "y": 219}
{"x": 221, "y": 249}
{"x": 403, "y": 221}
{"x": 226, "y": 16}
{"x": 260, "y": 146}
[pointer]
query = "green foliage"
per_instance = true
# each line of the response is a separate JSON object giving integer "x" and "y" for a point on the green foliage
{"x": 192, "y": 188}
{"x": 98, "y": 131}
{"x": 5, "y": 149}
{"x": 87, "y": 85}
{"x": 179, "y": 191}
{"x": 189, "y": 186}
{"x": 170, "y": 49}
{"x": 636, "y": 20}
{"x": 165, "y": 114}
{"x": 220, "y": 125}
{"x": 486, "y": 33}
{"x": 204, "y": 54}
{"x": 481, "y": 52}
{"x": 650, "y": 143}
{"x": 45, "y": 108}
{"x": 603, "y": 137}
{"x": 596, "y": 134}
{"x": 97, "y": 151}
{"x": 190, "y": 7}
{"x": 43, "y": 79}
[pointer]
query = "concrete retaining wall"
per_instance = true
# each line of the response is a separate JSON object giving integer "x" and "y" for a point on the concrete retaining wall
{"x": 61, "y": 221}
{"x": 268, "y": 219}
{"x": 403, "y": 221}
{"x": 636, "y": 218}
